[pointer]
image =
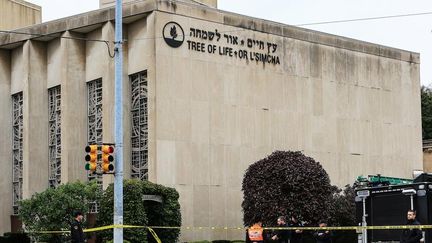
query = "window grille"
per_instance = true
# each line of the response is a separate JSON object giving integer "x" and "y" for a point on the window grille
{"x": 17, "y": 150}
{"x": 139, "y": 126}
{"x": 54, "y": 136}
{"x": 94, "y": 129}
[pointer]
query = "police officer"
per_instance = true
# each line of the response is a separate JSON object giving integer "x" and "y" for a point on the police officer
{"x": 296, "y": 235}
{"x": 77, "y": 234}
{"x": 281, "y": 235}
{"x": 323, "y": 236}
{"x": 411, "y": 235}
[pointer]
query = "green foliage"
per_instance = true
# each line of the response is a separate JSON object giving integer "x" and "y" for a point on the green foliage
{"x": 344, "y": 208}
{"x": 426, "y": 110}
{"x": 133, "y": 211}
{"x": 143, "y": 213}
{"x": 53, "y": 208}
{"x": 343, "y": 214}
{"x": 166, "y": 214}
{"x": 285, "y": 183}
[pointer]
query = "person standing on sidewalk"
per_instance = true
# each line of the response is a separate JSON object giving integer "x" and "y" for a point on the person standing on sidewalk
{"x": 296, "y": 235}
{"x": 323, "y": 236}
{"x": 281, "y": 235}
{"x": 77, "y": 234}
{"x": 255, "y": 233}
{"x": 411, "y": 235}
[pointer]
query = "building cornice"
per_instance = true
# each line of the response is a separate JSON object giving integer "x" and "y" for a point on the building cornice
{"x": 81, "y": 22}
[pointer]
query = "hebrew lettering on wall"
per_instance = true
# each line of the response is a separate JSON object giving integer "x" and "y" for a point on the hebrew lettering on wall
{"x": 231, "y": 44}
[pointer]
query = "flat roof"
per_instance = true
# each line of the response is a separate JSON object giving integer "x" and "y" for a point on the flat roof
{"x": 131, "y": 11}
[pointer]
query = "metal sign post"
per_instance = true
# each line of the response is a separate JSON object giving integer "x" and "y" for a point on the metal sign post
{"x": 363, "y": 195}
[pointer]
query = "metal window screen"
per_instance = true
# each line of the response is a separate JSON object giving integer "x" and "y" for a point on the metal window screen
{"x": 54, "y": 136}
{"x": 139, "y": 126}
{"x": 17, "y": 150}
{"x": 94, "y": 129}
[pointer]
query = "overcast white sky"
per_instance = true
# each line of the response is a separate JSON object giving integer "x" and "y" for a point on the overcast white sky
{"x": 409, "y": 33}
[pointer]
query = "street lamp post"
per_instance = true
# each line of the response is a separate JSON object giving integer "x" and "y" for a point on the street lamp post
{"x": 410, "y": 192}
{"x": 363, "y": 195}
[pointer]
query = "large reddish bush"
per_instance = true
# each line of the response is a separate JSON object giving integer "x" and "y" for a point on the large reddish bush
{"x": 286, "y": 183}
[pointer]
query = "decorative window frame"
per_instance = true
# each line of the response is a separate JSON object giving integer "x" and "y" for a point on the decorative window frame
{"x": 139, "y": 125}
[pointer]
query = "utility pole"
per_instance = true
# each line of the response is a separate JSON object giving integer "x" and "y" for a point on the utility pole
{"x": 118, "y": 124}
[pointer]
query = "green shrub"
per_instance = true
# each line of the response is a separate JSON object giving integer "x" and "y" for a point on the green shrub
{"x": 52, "y": 209}
{"x": 142, "y": 213}
{"x": 344, "y": 208}
{"x": 133, "y": 212}
{"x": 343, "y": 214}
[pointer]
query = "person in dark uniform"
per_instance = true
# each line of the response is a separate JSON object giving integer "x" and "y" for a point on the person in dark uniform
{"x": 296, "y": 235}
{"x": 323, "y": 236}
{"x": 282, "y": 235}
{"x": 77, "y": 234}
{"x": 411, "y": 235}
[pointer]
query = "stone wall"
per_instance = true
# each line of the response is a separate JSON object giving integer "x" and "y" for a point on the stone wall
{"x": 17, "y": 14}
{"x": 351, "y": 106}
{"x": 427, "y": 156}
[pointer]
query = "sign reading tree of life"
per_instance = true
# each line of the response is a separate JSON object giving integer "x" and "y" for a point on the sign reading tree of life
{"x": 222, "y": 43}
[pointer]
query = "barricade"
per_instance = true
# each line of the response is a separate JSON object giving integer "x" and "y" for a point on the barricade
{"x": 155, "y": 236}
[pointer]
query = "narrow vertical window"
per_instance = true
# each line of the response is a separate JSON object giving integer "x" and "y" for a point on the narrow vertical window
{"x": 54, "y": 136}
{"x": 139, "y": 126}
{"x": 17, "y": 150}
{"x": 94, "y": 127}
{"x": 94, "y": 118}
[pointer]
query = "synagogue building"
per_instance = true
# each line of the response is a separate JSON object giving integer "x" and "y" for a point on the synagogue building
{"x": 206, "y": 94}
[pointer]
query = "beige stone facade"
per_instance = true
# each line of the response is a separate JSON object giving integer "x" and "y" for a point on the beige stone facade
{"x": 17, "y": 14}
{"x": 236, "y": 89}
{"x": 427, "y": 156}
